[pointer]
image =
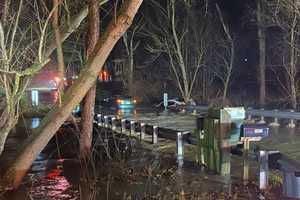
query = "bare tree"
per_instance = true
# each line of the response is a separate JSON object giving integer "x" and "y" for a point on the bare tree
{"x": 261, "y": 32}
{"x": 225, "y": 64}
{"x": 52, "y": 122}
{"x": 286, "y": 14}
{"x": 130, "y": 46}
{"x": 184, "y": 46}
{"x": 14, "y": 75}
{"x": 22, "y": 57}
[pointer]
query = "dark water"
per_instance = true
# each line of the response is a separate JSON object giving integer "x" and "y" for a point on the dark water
{"x": 136, "y": 174}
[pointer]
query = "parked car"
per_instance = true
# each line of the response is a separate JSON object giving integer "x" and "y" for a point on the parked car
{"x": 172, "y": 103}
{"x": 119, "y": 101}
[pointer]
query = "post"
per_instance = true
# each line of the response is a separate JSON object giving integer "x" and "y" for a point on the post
{"x": 99, "y": 117}
{"x": 123, "y": 125}
{"x": 262, "y": 118}
{"x": 155, "y": 135}
{"x": 34, "y": 97}
{"x": 143, "y": 131}
{"x": 275, "y": 123}
{"x": 263, "y": 170}
{"x": 246, "y": 161}
{"x": 113, "y": 124}
{"x": 165, "y": 101}
{"x": 249, "y": 118}
{"x": 106, "y": 122}
{"x": 180, "y": 148}
{"x": 292, "y": 122}
{"x": 132, "y": 127}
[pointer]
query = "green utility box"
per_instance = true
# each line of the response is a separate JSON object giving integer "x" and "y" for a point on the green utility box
{"x": 219, "y": 132}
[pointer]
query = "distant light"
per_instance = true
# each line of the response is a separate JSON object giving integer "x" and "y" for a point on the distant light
{"x": 57, "y": 79}
{"x": 246, "y": 59}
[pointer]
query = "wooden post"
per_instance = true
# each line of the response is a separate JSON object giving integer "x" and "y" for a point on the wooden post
{"x": 246, "y": 161}
{"x": 155, "y": 135}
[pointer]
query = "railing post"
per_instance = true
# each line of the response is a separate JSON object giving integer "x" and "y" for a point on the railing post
{"x": 106, "y": 122}
{"x": 262, "y": 118}
{"x": 123, "y": 125}
{"x": 132, "y": 127}
{"x": 143, "y": 131}
{"x": 292, "y": 122}
{"x": 263, "y": 170}
{"x": 113, "y": 124}
{"x": 275, "y": 123}
{"x": 99, "y": 117}
{"x": 246, "y": 161}
{"x": 180, "y": 148}
{"x": 155, "y": 135}
{"x": 249, "y": 116}
{"x": 194, "y": 112}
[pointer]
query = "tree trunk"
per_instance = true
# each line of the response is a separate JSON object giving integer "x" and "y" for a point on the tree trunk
{"x": 180, "y": 56}
{"x": 292, "y": 72}
{"x": 54, "y": 119}
{"x": 262, "y": 55}
{"x": 89, "y": 100}
{"x": 5, "y": 130}
{"x": 131, "y": 70}
{"x": 7, "y": 123}
{"x": 229, "y": 73}
{"x": 59, "y": 51}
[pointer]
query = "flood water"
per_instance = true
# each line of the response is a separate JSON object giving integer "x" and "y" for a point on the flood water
{"x": 128, "y": 171}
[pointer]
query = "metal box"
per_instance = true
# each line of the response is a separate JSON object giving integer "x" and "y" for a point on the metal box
{"x": 254, "y": 132}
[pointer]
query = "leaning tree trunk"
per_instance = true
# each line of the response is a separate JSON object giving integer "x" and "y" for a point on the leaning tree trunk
{"x": 54, "y": 119}
{"x": 89, "y": 100}
{"x": 262, "y": 55}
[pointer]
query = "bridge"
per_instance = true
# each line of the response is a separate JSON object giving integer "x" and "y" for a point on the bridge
{"x": 152, "y": 127}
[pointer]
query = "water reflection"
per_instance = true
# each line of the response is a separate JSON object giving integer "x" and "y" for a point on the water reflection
{"x": 126, "y": 112}
{"x": 56, "y": 181}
